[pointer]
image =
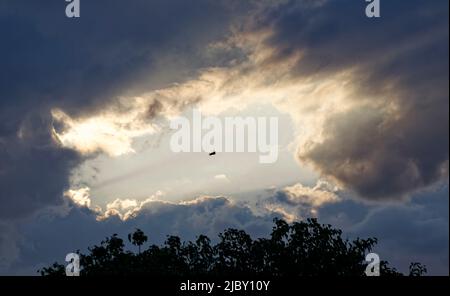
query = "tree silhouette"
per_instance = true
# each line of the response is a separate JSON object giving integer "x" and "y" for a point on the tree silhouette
{"x": 300, "y": 249}
{"x": 138, "y": 238}
{"x": 417, "y": 269}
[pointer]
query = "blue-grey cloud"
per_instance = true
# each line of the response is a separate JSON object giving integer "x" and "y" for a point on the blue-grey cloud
{"x": 50, "y": 237}
{"x": 417, "y": 231}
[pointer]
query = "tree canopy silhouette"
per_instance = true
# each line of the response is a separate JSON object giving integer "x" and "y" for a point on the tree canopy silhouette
{"x": 304, "y": 248}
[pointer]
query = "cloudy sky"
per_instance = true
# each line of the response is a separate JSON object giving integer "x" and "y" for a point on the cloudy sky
{"x": 86, "y": 104}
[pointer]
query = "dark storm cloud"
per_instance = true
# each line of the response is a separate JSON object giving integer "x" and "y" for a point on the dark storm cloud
{"x": 396, "y": 139}
{"x": 48, "y": 61}
{"x": 77, "y": 63}
{"x": 34, "y": 171}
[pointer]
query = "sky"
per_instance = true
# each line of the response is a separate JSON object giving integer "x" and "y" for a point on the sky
{"x": 86, "y": 104}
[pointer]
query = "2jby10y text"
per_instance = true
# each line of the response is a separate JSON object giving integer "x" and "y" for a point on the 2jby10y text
{"x": 227, "y": 286}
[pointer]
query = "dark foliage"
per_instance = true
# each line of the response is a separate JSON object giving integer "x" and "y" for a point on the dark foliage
{"x": 301, "y": 249}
